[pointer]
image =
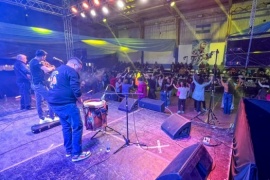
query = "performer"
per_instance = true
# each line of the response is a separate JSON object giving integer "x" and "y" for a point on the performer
{"x": 65, "y": 91}
{"x": 38, "y": 69}
{"x": 23, "y": 81}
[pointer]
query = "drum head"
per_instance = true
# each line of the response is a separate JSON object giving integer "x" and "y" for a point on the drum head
{"x": 94, "y": 103}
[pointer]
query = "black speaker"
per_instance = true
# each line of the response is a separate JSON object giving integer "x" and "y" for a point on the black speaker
{"x": 152, "y": 104}
{"x": 194, "y": 162}
{"x": 132, "y": 105}
{"x": 176, "y": 126}
{"x": 108, "y": 95}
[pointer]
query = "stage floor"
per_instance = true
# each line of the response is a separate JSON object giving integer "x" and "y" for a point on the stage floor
{"x": 24, "y": 155}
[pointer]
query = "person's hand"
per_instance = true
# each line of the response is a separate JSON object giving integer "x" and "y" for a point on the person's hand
{"x": 80, "y": 100}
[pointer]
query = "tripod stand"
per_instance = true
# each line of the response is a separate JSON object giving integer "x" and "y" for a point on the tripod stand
{"x": 127, "y": 140}
{"x": 210, "y": 110}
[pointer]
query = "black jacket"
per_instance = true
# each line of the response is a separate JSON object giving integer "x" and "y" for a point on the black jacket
{"x": 65, "y": 86}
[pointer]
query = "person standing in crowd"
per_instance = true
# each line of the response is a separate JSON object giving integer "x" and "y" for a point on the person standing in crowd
{"x": 229, "y": 89}
{"x": 183, "y": 90}
{"x": 64, "y": 93}
{"x": 142, "y": 88}
{"x": 126, "y": 87}
{"x": 23, "y": 76}
{"x": 152, "y": 87}
{"x": 38, "y": 69}
{"x": 198, "y": 93}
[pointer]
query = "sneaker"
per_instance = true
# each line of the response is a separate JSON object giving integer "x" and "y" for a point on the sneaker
{"x": 45, "y": 120}
{"x": 204, "y": 109}
{"x": 68, "y": 154}
{"x": 82, "y": 156}
{"x": 199, "y": 112}
{"x": 56, "y": 118}
{"x": 182, "y": 112}
{"x": 178, "y": 112}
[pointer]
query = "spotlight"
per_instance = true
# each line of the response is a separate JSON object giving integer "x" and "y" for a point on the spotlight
{"x": 96, "y": 2}
{"x": 83, "y": 14}
{"x": 144, "y": 1}
{"x": 120, "y": 4}
{"x": 85, "y": 5}
{"x": 93, "y": 12}
{"x": 172, "y": 4}
{"x": 105, "y": 10}
{"x": 74, "y": 10}
{"x": 104, "y": 20}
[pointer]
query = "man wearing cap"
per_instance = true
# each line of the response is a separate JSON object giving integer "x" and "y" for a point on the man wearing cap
{"x": 23, "y": 81}
{"x": 38, "y": 70}
{"x": 64, "y": 93}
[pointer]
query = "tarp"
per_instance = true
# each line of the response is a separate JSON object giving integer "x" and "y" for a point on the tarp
{"x": 251, "y": 159}
{"x": 95, "y": 46}
{"x": 259, "y": 29}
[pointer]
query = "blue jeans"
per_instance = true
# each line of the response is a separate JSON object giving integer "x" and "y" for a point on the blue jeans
{"x": 227, "y": 103}
{"x": 41, "y": 92}
{"x": 25, "y": 92}
{"x": 164, "y": 97}
{"x": 72, "y": 127}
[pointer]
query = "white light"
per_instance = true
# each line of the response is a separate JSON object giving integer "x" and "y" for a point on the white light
{"x": 120, "y": 4}
{"x": 93, "y": 12}
{"x": 83, "y": 14}
{"x": 144, "y": 1}
{"x": 105, "y": 10}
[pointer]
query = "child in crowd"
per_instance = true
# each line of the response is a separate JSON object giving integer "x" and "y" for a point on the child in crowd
{"x": 182, "y": 90}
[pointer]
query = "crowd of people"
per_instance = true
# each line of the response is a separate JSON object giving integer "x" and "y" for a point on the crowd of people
{"x": 68, "y": 83}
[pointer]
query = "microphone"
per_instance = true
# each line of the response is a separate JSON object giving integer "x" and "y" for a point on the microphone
{"x": 103, "y": 96}
{"x": 57, "y": 59}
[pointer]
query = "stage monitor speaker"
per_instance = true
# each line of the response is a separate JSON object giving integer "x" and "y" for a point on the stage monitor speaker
{"x": 176, "y": 126}
{"x": 194, "y": 162}
{"x": 152, "y": 104}
{"x": 132, "y": 105}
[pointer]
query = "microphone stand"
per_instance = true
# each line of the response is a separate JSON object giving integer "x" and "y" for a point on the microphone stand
{"x": 127, "y": 140}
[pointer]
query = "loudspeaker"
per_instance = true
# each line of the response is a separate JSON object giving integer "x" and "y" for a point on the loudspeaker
{"x": 152, "y": 104}
{"x": 194, "y": 162}
{"x": 176, "y": 126}
{"x": 108, "y": 95}
{"x": 132, "y": 105}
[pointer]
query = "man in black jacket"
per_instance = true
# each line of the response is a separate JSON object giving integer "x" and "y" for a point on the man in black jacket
{"x": 64, "y": 93}
{"x": 23, "y": 81}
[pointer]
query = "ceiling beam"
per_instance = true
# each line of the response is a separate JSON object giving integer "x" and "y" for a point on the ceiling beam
{"x": 38, "y": 6}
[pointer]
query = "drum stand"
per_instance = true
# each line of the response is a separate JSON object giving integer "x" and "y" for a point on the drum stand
{"x": 102, "y": 130}
{"x": 127, "y": 141}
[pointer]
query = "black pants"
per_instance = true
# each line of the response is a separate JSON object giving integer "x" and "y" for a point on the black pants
{"x": 195, "y": 104}
{"x": 152, "y": 94}
{"x": 25, "y": 92}
{"x": 181, "y": 102}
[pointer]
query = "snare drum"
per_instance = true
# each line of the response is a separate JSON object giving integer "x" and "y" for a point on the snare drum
{"x": 95, "y": 114}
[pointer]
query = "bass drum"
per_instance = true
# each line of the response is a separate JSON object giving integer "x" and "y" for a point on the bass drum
{"x": 95, "y": 114}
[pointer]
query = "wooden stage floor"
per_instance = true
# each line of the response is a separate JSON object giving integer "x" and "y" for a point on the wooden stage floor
{"x": 24, "y": 155}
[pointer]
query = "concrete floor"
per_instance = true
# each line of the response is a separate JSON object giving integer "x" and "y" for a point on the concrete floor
{"x": 24, "y": 155}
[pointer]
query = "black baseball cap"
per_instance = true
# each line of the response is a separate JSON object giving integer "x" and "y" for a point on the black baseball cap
{"x": 41, "y": 52}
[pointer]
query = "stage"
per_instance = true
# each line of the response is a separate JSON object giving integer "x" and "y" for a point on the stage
{"x": 24, "y": 155}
